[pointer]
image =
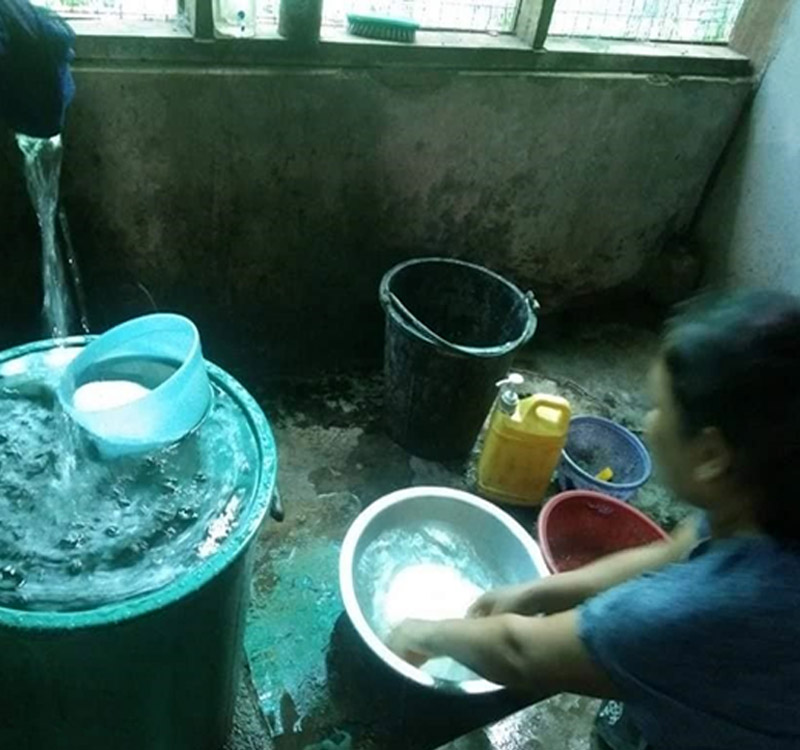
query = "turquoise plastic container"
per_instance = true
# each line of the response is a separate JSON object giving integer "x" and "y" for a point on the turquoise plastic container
{"x": 155, "y": 672}
{"x": 161, "y": 346}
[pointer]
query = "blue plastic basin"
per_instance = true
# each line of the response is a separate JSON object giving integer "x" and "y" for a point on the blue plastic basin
{"x": 160, "y": 351}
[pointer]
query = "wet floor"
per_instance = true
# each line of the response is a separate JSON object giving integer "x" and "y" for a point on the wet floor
{"x": 315, "y": 686}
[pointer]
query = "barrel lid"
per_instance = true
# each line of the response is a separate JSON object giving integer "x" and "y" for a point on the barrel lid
{"x": 225, "y": 532}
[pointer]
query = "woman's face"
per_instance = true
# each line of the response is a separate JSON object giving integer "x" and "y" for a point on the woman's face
{"x": 678, "y": 458}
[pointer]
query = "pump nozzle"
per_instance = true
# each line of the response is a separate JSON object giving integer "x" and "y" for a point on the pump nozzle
{"x": 513, "y": 379}
{"x": 509, "y": 398}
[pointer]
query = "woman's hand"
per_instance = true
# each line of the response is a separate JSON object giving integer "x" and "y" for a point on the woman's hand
{"x": 523, "y": 599}
{"x": 407, "y": 639}
{"x": 544, "y": 655}
{"x": 565, "y": 591}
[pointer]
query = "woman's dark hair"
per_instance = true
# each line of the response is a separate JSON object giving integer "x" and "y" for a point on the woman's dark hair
{"x": 734, "y": 363}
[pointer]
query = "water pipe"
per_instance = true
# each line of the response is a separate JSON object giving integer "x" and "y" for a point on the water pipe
{"x": 36, "y": 86}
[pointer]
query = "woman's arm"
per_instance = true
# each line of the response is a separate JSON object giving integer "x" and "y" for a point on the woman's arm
{"x": 565, "y": 591}
{"x": 540, "y": 655}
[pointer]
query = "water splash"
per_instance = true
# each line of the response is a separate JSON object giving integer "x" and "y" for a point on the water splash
{"x": 42, "y": 158}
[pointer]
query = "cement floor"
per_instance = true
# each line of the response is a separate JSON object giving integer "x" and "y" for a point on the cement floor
{"x": 311, "y": 684}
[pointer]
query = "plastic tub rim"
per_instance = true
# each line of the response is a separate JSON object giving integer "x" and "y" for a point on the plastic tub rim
{"x": 165, "y": 317}
{"x": 186, "y": 584}
{"x": 600, "y": 483}
{"x": 119, "y": 446}
{"x": 563, "y": 497}
{"x": 481, "y": 352}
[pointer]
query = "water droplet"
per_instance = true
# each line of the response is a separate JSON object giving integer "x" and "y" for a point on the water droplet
{"x": 187, "y": 513}
{"x": 38, "y": 464}
{"x": 11, "y": 579}
{"x": 73, "y": 540}
{"x": 169, "y": 486}
{"x": 164, "y": 515}
{"x": 152, "y": 468}
{"x": 112, "y": 531}
{"x": 75, "y": 567}
{"x": 17, "y": 492}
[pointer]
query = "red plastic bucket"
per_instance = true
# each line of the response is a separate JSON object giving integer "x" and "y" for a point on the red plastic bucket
{"x": 579, "y": 527}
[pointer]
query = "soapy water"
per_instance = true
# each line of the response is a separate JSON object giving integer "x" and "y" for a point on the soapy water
{"x": 77, "y": 532}
{"x": 428, "y": 572}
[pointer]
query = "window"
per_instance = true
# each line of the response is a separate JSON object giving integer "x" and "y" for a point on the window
{"x": 706, "y": 21}
{"x": 149, "y": 10}
{"x": 465, "y": 34}
{"x": 496, "y": 16}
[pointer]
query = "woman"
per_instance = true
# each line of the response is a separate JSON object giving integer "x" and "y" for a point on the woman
{"x": 698, "y": 637}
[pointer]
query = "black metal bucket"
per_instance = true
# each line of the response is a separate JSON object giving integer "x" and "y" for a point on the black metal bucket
{"x": 452, "y": 329}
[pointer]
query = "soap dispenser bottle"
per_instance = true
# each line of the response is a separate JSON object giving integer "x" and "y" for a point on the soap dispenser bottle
{"x": 523, "y": 444}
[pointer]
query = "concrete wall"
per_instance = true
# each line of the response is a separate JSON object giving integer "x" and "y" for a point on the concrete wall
{"x": 267, "y": 204}
{"x": 750, "y": 223}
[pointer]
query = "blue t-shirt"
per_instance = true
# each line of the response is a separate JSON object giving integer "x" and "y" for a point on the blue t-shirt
{"x": 706, "y": 652}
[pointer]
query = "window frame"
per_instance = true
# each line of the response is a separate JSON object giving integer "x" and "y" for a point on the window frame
{"x": 192, "y": 41}
{"x": 661, "y": 41}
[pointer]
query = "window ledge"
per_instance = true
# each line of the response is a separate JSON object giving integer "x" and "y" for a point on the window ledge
{"x": 117, "y": 42}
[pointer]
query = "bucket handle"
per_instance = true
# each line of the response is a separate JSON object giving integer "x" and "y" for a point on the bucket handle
{"x": 390, "y": 298}
{"x": 534, "y": 306}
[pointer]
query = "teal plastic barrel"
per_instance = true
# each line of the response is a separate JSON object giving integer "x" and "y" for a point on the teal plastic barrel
{"x": 155, "y": 672}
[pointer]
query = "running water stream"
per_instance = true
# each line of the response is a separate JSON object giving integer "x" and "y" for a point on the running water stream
{"x": 42, "y": 166}
{"x": 42, "y": 162}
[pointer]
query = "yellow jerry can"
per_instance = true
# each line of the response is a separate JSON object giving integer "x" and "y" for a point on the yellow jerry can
{"x": 523, "y": 444}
